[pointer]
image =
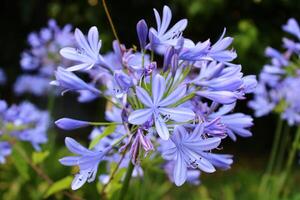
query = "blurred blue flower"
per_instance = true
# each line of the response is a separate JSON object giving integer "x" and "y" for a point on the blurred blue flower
{"x": 5, "y": 150}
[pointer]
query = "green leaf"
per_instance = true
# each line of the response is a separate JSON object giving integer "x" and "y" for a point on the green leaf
{"x": 107, "y": 131}
{"x": 38, "y": 157}
{"x": 59, "y": 186}
{"x": 19, "y": 162}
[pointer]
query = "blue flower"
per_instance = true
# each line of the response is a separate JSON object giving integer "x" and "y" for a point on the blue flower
{"x": 29, "y": 123}
{"x": 69, "y": 81}
{"x": 221, "y": 84}
{"x": 87, "y": 160}
{"x": 36, "y": 85}
{"x": 5, "y": 150}
{"x": 142, "y": 31}
{"x": 187, "y": 149}
{"x": 157, "y": 107}
{"x": 292, "y": 27}
{"x": 218, "y": 51}
{"x": 87, "y": 53}
{"x": 71, "y": 124}
{"x": 237, "y": 123}
{"x": 161, "y": 38}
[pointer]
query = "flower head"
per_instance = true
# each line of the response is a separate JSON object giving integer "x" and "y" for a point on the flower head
{"x": 187, "y": 149}
{"x": 87, "y": 53}
{"x": 160, "y": 109}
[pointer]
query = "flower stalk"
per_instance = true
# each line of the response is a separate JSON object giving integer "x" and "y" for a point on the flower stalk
{"x": 126, "y": 181}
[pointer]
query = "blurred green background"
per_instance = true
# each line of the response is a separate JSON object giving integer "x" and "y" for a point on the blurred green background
{"x": 254, "y": 24}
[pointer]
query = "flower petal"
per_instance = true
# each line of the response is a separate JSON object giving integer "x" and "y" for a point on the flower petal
{"x": 180, "y": 170}
{"x": 202, "y": 145}
{"x": 223, "y": 97}
{"x": 69, "y": 160}
{"x": 82, "y": 66}
{"x": 166, "y": 19}
{"x": 175, "y": 96}
{"x": 158, "y": 88}
{"x": 70, "y": 124}
{"x": 93, "y": 38}
{"x": 82, "y": 42}
{"x": 161, "y": 128}
{"x": 178, "y": 114}
{"x": 79, "y": 180}
{"x": 205, "y": 165}
{"x": 139, "y": 117}
{"x": 75, "y": 147}
{"x": 144, "y": 96}
{"x": 72, "y": 54}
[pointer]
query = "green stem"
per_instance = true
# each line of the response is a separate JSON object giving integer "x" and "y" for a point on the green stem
{"x": 264, "y": 183}
{"x": 294, "y": 150}
{"x": 275, "y": 146}
{"x": 126, "y": 181}
{"x": 281, "y": 183}
{"x": 51, "y": 102}
{"x": 110, "y": 21}
{"x": 282, "y": 148}
{"x": 103, "y": 123}
{"x": 291, "y": 157}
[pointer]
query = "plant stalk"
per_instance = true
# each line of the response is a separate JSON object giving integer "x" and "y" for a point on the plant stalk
{"x": 126, "y": 181}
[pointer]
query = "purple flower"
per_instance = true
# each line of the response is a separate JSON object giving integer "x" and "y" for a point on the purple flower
{"x": 221, "y": 84}
{"x": 140, "y": 140}
{"x": 157, "y": 107}
{"x": 161, "y": 38}
{"x": 71, "y": 124}
{"x": 142, "y": 31}
{"x": 69, "y": 81}
{"x": 186, "y": 149}
{"x": 87, "y": 160}
{"x": 192, "y": 175}
{"x": 220, "y": 161}
{"x": 292, "y": 27}
{"x": 87, "y": 53}
{"x": 261, "y": 104}
{"x": 218, "y": 51}
{"x": 28, "y": 123}
{"x": 237, "y": 123}
{"x": 31, "y": 84}
{"x": 5, "y": 150}
{"x": 123, "y": 83}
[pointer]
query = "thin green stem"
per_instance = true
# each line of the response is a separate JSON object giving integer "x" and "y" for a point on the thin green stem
{"x": 293, "y": 150}
{"x": 264, "y": 183}
{"x": 103, "y": 123}
{"x": 126, "y": 181}
{"x": 110, "y": 21}
{"x": 51, "y": 102}
{"x": 275, "y": 145}
{"x": 288, "y": 167}
{"x": 282, "y": 148}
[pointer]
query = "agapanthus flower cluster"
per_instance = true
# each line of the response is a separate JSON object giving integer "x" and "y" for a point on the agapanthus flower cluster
{"x": 279, "y": 81}
{"x": 180, "y": 108}
{"x": 42, "y": 58}
{"x": 23, "y": 122}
